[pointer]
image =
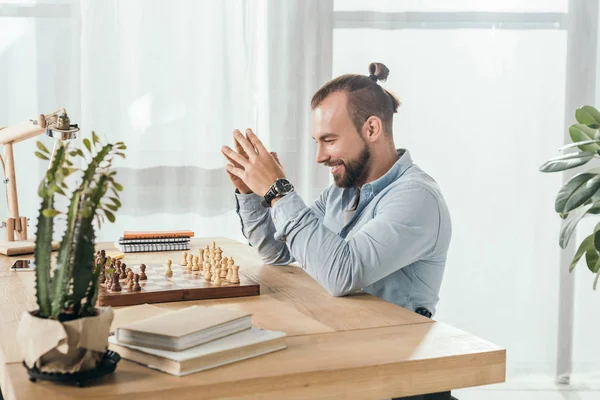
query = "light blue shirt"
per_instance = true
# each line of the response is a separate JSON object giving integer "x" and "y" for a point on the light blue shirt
{"x": 393, "y": 246}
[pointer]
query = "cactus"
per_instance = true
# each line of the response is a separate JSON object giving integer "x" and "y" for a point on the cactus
{"x": 72, "y": 290}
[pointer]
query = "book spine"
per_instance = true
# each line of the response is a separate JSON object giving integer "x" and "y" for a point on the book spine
{"x": 157, "y": 235}
{"x": 148, "y": 241}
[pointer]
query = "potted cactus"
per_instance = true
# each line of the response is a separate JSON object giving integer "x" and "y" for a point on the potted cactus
{"x": 67, "y": 333}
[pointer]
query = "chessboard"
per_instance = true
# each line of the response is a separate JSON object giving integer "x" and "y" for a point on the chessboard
{"x": 190, "y": 279}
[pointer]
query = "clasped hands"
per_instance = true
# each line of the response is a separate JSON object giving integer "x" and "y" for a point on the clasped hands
{"x": 252, "y": 168}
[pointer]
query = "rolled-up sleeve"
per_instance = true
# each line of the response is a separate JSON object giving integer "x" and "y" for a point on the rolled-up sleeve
{"x": 258, "y": 228}
{"x": 404, "y": 230}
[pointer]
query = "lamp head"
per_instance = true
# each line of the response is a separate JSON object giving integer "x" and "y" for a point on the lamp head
{"x": 62, "y": 129}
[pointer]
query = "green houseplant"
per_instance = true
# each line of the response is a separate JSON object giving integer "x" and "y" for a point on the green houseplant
{"x": 75, "y": 331}
{"x": 581, "y": 194}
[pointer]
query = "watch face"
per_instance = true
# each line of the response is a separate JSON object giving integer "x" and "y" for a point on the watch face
{"x": 283, "y": 186}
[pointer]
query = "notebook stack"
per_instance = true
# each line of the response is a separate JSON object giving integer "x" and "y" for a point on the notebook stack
{"x": 193, "y": 339}
{"x": 133, "y": 242}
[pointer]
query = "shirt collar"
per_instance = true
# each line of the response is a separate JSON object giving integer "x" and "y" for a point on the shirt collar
{"x": 404, "y": 162}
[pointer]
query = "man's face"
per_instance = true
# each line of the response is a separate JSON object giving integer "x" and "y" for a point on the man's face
{"x": 339, "y": 145}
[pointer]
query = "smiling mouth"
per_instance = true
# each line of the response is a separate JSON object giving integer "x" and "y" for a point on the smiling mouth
{"x": 336, "y": 168}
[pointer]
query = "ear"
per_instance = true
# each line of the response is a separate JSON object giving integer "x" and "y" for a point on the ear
{"x": 372, "y": 129}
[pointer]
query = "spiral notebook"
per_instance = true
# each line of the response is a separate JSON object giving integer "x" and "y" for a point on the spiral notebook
{"x": 144, "y": 247}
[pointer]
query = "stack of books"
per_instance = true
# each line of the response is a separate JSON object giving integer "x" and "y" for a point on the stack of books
{"x": 193, "y": 339}
{"x": 133, "y": 242}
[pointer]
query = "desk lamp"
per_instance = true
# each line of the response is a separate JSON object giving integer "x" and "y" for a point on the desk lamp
{"x": 56, "y": 125}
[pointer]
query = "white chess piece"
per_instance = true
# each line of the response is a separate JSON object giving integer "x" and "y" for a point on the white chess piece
{"x": 234, "y": 275}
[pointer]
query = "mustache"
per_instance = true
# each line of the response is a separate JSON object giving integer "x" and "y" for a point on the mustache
{"x": 333, "y": 164}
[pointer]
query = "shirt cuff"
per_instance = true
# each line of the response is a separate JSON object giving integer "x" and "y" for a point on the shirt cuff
{"x": 284, "y": 212}
{"x": 249, "y": 203}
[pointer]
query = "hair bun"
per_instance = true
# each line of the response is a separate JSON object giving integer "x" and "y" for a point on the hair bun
{"x": 378, "y": 71}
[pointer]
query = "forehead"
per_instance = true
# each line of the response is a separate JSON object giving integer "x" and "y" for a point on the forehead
{"x": 331, "y": 116}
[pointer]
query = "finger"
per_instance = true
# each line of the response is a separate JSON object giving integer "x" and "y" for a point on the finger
{"x": 231, "y": 160}
{"x": 235, "y": 171}
{"x": 241, "y": 160}
{"x": 256, "y": 142}
{"x": 246, "y": 145}
{"x": 275, "y": 156}
{"x": 238, "y": 147}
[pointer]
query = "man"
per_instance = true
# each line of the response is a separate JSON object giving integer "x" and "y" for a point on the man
{"x": 383, "y": 227}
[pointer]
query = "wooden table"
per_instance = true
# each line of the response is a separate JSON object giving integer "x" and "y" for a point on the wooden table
{"x": 354, "y": 347}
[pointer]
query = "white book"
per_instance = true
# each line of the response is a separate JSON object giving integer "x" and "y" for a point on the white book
{"x": 184, "y": 328}
{"x": 249, "y": 343}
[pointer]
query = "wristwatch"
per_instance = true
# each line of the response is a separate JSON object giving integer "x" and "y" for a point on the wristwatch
{"x": 280, "y": 188}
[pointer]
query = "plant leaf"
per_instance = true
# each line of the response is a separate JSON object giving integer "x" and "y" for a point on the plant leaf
{"x": 591, "y": 259}
{"x": 112, "y": 207}
{"x": 88, "y": 145}
{"x": 42, "y": 148}
{"x": 41, "y": 155}
{"x": 596, "y": 279}
{"x": 587, "y": 115}
{"x": 95, "y": 138}
{"x": 580, "y": 133}
{"x": 577, "y": 144}
{"x": 571, "y": 223}
{"x": 116, "y": 201}
{"x": 118, "y": 186}
{"x": 586, "y": 244}
{"x": 50, "y": 212}
{"x": 109, "y": 215}
{"x": 567, "y": 161}
{"x": 576, "y": 192}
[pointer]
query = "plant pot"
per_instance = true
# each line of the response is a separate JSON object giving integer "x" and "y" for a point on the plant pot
{"x": 64, "y": 347}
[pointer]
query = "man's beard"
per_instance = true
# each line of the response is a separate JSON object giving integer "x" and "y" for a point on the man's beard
{"x": 354, "y": 170}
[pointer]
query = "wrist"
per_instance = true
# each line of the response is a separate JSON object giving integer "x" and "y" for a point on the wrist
{"x": 238, "y": 191}
{"x": 275, "y": 200}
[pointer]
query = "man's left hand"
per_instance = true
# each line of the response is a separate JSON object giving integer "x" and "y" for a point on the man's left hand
{"x": 260, "y": 170}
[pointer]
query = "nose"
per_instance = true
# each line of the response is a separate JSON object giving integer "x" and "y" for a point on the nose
{"x": 322, "y": 155}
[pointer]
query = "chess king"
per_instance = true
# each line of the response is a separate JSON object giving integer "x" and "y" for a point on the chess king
{"x": 383, "y": 227}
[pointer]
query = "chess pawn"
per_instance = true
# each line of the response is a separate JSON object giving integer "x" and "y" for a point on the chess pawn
{"x": 143, "y": 276}
{"x": 123, "y": 273}
{"x": 136, "y": 285}
{"x": 207, "y": 276}
{"x": 130, "y": 276}
{"x": 223, "y": 271}
{"x": 228, "y": 276}
{"x": 185, "y": 254}
{"x": 116, "y": 286}
{"x": 217, "y": 281}
{"x": 190, "y": 262}
{"x": 169, "y": 271}
{"x": 234, "y": 275}
{"x": 102, "y": 276}
{"x": 201, "y": 254}
{"x": 195, "y": 267}
{"x": 218, "y": 254}
{"x": 230, "y": 262}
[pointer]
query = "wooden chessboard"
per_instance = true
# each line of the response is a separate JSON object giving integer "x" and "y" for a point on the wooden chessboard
{"x": 183, "y": 285}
